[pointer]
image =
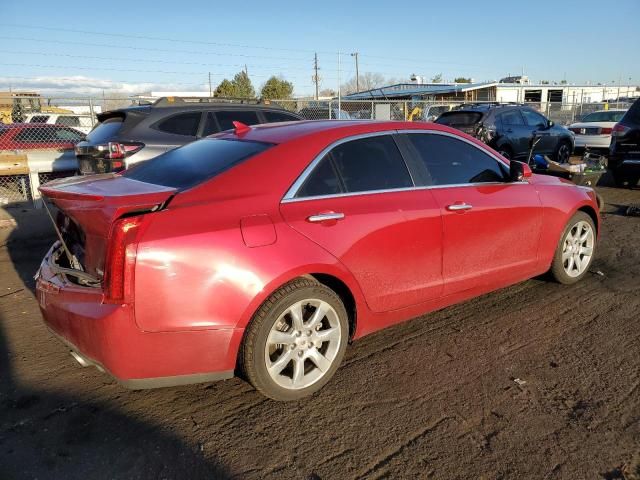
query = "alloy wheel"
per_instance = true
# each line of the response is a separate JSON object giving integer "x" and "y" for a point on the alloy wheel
{"x": 302, "y": 344}
{"x": 563, "y": 153}
{"x": 577, "y": 249}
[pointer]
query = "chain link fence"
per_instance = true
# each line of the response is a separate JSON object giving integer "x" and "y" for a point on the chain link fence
{"x": 38, "y": 134}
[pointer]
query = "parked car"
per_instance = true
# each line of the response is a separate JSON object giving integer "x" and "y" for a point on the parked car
{"x": 510, "y": 129}
{"x": 266, "y": 249}
{"x": 594, "y": 130}
{"x": 129, "y": 135}
{"x": 321, "y": 112}
{"x": 624, "y": 151}
{"x": 82, "y": 123}
{"x": 31, "y": 136}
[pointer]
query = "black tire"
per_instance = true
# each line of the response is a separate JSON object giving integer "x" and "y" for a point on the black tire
{"x": 557, "y": 265}
{"x": 252, "y": 354}
{"x": 562, "y": 151}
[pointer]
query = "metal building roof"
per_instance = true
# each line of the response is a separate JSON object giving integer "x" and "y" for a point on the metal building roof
{"x": 412, "y": 89}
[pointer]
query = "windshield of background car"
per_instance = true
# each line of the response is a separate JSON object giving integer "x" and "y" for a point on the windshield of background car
{"x": 459, "y": 118}
{"x": 188, "y": 166}
{"x": 604, "y": 117}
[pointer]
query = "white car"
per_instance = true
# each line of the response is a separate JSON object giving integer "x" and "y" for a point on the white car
{"x": 82, "y": 123}
{"x": 594, "y": 130}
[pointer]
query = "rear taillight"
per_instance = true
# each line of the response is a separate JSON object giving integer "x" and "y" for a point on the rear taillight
{"x": 575, "y": 130}
{"x": 606, "y": 131}
{"x": 619, "y": 130}
{"x": 120, "y": 262}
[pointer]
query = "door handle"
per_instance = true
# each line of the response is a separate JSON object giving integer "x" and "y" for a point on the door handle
{"x": 325, "y": 217}
{"x": 459, "y": 206}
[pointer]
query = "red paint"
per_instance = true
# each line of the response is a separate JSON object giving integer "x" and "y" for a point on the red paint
{"x": 35, "y": 133}
{"x": 203, "y": 265}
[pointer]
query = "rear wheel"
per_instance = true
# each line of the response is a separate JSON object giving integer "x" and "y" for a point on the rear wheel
{"x": 563, "y": 151}
{"x": 296, "y": 341}
{"x": 574, "y": 253}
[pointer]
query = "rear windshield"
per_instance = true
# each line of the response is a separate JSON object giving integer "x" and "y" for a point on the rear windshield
{"x": 196, "y": 162}
{"x": 614, "y": 116}
{"x": 105, "y": 131}
{"x": 459, "y": 118}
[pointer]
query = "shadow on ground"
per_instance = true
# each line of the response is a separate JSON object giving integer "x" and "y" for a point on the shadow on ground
{"x": 45, "y": 434}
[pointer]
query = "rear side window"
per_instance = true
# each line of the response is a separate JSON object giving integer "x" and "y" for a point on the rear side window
{"x": 450, "y": 161}
{"x": 278, "y": 117}
{"x": 512, "y": 117}
{"x": 39, "y": 119}
{"x": 181, "y": 124}
{"x": 106, "y": 130}
{"x": 459, "y": 118}
{"x": 227, "y": 117}
{"x": 194, "y": 163}
{"x": 362, "y": 165}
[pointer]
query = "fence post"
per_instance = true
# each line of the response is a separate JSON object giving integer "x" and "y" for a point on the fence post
{"x": 372, "y": 113}
{"x": 330, "y": 109}
{"x": 91, "y": 112}
{"x": 34, "y": 183}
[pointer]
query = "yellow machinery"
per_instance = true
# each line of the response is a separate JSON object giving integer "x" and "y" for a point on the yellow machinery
{"x": 15, "y": 105}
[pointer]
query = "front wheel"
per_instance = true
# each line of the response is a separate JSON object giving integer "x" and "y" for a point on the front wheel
{"x": 296, "y": 341}
{"x": 575, "y": 250}
{"x": 563, "y": 152}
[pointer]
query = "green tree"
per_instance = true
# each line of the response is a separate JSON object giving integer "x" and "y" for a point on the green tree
{"x": 276, "y": 89}
{"x": 544, "y": 82}
{"x": 462, "y": 80}
{"x": 437, "y": 78}
{"x": 226, "y": 89}
{"x": 243, "y": 86}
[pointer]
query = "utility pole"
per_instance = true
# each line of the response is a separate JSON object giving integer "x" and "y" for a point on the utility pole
{"x": 210, "y": 91}
{"x": 339, "y": 87}
{"x": 316, "y": 79}
{"x": 355, "y": 54}
{"x": 246, "y": 71}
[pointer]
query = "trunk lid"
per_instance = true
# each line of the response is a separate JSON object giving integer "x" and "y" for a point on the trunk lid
{"x": 88, "y": 207}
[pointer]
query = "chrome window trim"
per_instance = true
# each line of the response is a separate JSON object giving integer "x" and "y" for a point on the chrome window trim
{"x": 290, "y": 197}
{"x": 291, "y": 193}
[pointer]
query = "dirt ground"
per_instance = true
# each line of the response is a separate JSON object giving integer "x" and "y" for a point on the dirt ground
{"x": 534, "y": 381}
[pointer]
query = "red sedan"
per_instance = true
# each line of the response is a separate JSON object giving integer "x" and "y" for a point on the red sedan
{"x": 265, "y": 250}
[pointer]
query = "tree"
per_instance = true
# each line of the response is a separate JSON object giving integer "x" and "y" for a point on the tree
{"x": 226, "y": 89}
{"x": 544, "y": 82}
{"x": 328, "y": 92}
{"x": 366, "y": 81}
{"x": 462, "y": 80}
{"x": 242, "y": 83}
{"x": 276, "y": 89}
{"x": 563, "y": 82}
{"x": 437, "y": 78}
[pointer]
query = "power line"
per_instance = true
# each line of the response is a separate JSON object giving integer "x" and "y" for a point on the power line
{"x": 144, "y": 37}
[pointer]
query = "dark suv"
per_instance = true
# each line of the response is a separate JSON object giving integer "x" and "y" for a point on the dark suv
{"x": 134, "y": 134}
{"x": 624, "y": 151}
{"x": 510, "y": 128}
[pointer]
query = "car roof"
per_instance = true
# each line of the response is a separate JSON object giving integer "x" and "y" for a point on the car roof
{"x": 281, "y": 132}
{"x": 199, "y": 106}
{"x": 30, "y": 125}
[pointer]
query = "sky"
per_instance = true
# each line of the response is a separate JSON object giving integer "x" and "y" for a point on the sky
{"x": 83, "y": 48}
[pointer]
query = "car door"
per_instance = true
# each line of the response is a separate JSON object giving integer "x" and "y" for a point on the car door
{"x": 357, "y": 200}
{"x": 517, "y": 133}
{"x": 491, "y": 226}
{"x": 539, "y": 126}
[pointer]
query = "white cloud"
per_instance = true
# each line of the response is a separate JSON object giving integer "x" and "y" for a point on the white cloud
{"x": 87, "y": 86}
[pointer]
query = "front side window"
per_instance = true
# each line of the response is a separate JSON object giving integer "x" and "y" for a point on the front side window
{"x": 512, "y": 117}
{"x": 450, "y": 161}
{"x": 181, "y": 124}
{"x": 534, "y": 119}
{"x": 362, "y": 165}
{"x": 278, "y": 117}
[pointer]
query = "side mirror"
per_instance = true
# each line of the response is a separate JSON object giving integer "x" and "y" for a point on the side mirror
{"x": 519, "y": 171}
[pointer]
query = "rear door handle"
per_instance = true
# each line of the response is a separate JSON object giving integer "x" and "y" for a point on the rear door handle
{"x": 325, "y": 217}
{"x": 459, "y": 206}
